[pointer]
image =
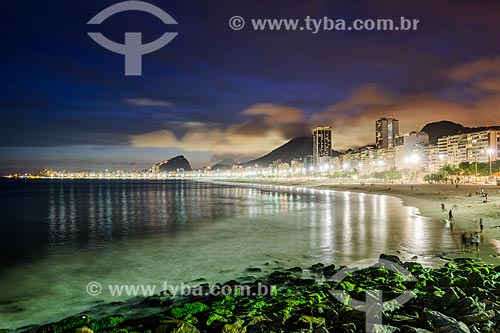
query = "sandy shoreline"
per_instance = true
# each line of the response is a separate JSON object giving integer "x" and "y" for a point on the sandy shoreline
{"x": 427, "y": 198}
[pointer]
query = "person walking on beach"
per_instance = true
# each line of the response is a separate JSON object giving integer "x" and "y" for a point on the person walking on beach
{"x": 450, "y": 215}
{"x": 481, "y": 224}
{"x": 443, "y": 207}
{"x": 464, "y": 241}
{"x": 468, "y": 242}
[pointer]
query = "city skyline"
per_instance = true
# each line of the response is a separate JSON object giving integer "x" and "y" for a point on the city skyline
{"x": 70, "y": 107}
{"x": 409, "y": 151}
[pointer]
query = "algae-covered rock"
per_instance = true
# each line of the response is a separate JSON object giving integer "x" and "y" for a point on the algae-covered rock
{"x": 66, "y": 325}
{"x": 215, "y": 319}
{"x": 468, "y": 306}
{"x": 107, "y": 322}
{"x": 121, "y": 330}
{"x": 310, "y": 322}
{"x": 176, "y": 326}
{"x": 441, "y": 323}
{"x": 451, "y": 299}
{"x": 188, "y": 310}
{"x": 391, "y": 258}
{"x": 84, "y": 330}
{"x": 476, "y": 280}
{"x": 410, "y": 329}
{"x": 478, "y": 317}
{"x": 231, "y": 328}
{"x": 460, "y": 297}
{"x": 384, "y": 329}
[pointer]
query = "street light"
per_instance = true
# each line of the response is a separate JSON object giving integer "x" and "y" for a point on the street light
{"x": 490, "y": 151}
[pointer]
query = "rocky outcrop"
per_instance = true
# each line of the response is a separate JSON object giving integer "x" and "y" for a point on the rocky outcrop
{"x": 175, "y": 164}
{"x": 461, "y": 297}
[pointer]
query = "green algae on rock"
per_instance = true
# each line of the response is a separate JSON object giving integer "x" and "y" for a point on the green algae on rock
{"x": 462, "y": 296}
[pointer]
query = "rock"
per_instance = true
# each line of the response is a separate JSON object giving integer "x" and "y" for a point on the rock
{"x": 327, "y": 312}
{"x": 258, "y": 319}
{"x": 176, "y": 326}
{"x": 294, "y": 270}
{"x": 478, "y": 317}
{"x": 84, "y": 330}
{"x": 330, "y": 270}
{"x": 409, "y": 329}
{"x": 215, "y": 320}
{"x": 384, "y": 329}
{"x": 321, "y": 330}
{"x": 313, "y": 322}
{"x": 481, "y": 293}
{"x": 316, "y": 267}
{"x": 280, "y": 318}
{"x": 468, "y": 306}
{"x": 254, "y": 269}
{"x": 107, "y": 322}
{"x": 259, "y": 324}
{"x": 398, "y": 319}
{"x": 441, "y": 323}
{"x": 229, "y": 328}
{"x": 391, "y": 258}
{"x": 463, "y": 261}
{"x": 278, "y": 277}
{"x": 349, "y": 327}
{"x": 444, "y": 281}
{"x": 65, "y": 325}
{"x": 490, "y": 305}
{"x": 460, "y": 281}
{"x": 476, "y": 280}
{"x": 451, "y": 298}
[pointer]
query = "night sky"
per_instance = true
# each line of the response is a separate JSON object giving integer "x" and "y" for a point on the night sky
{"x": 214, "y": 93}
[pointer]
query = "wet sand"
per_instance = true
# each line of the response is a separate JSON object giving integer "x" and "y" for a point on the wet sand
{"x": 468, "y": 206}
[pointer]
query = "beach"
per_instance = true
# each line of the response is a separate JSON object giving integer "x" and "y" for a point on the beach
{"x": 465, "y": 201}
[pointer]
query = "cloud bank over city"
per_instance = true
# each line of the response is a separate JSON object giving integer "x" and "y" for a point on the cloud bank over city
{"x": 471, "y": 98}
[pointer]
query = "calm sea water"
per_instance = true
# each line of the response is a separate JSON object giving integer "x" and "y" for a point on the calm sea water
{"x": 57, "y": 236}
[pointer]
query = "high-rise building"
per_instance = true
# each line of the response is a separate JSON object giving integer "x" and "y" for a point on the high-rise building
{"x": 410, "y": 150}
{"x": 386, "y": 131}
{"x": 481, "y": 147}
{"x": 322, "y": 143}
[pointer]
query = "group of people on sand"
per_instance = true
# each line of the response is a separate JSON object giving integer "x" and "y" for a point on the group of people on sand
{"x": 470, "y": 241}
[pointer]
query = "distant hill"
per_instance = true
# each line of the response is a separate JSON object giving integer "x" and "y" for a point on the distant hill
{"x": 226, "y": 164}
{"x": 445, "y": 128}
{"x": 296, "y": 148}
{"x": 176, "y": 163}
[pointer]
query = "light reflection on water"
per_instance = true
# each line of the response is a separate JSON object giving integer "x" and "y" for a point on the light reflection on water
{"x": 71, "y": 233}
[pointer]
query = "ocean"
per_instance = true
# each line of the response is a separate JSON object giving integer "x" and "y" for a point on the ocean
{"x": 57, "y": 236}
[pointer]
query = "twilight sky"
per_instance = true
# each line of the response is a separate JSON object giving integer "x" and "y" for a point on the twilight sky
{"x": 214, "y": 93}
